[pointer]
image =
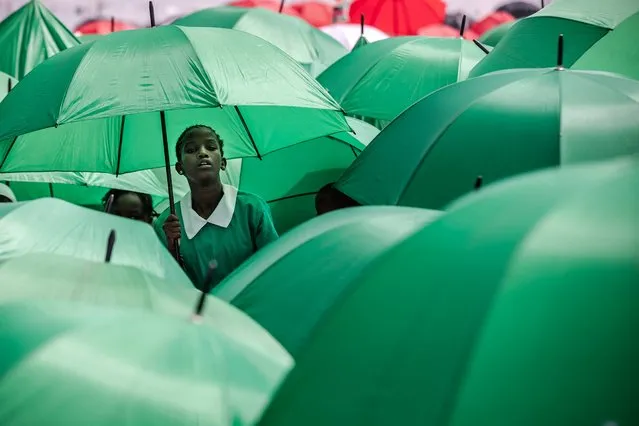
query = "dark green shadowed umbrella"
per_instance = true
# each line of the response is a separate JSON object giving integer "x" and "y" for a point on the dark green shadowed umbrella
{"x": 495, "y": 126}
{"x": 617, "y": 52}
{"x": 29, "y": 36}
{"x": 53, "y": 226}
{"x": 378, "y": 81}
{"x": 70, "y": 364}
{"x": 291, "y": 286}
{"x": 517, "y": 307}
{"x": 531, "y": 42}
{"x": 309, "y": 46}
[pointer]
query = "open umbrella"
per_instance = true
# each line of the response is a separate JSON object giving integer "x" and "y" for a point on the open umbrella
{"x": 101, "y": 105}
{"x": 316, "y": 13}
{"x": 530, "y": 43}
{"x": 102, "y": 26}
{"x": 48, "y": 276}
{"x": 281, "y": 288}
{"x": 349, "y": 34}
{"x": 380, "y": 80}
{"x": 49, "y": 225}
{"x": 29, "y": 36}
{"x": 494, "y": 35}
{"x": 303, "y": 42}
{"x": 275, "y": 6}
{"x": 493, "y": 127}
{"x": 516, "y": 307}
{"x": 398, "y": 17}
{"x": 617, "y": 52}
{"x": 130, "y": 368}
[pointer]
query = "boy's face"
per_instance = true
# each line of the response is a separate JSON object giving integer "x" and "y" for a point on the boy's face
{"x": 202, "y": 158}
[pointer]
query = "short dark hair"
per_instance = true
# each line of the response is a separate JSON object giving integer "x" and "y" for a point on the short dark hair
{"x": 146, "y": 199}
{"x": 185, "y": 133}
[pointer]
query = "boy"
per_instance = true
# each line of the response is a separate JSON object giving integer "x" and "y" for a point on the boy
{"x": 214, "y": 221}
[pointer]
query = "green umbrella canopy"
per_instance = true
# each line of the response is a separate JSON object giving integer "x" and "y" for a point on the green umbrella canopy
{"x": 87, "y": 38}
{"x": 106, "y": 96}
{"x": 88, "y": 189}
{"x": 290, "y": 178}
{"x": 361, "y": 41}
{"x": 49, "y": 225}
{"x": 382, "y": 79}
{"x": 617, "y": 52}
{"x": 532, "y": 41}
{"x": 309, "y": 46}
{"x": 494, "y": 35}
{"x": 128, "y": 368}
{"x": 65, "y": 278}
{"x": 517, "y": 307}
{"x": 29, "y": 36}
{"x": 291, "y": 287}
{"x": 495, "y": 126}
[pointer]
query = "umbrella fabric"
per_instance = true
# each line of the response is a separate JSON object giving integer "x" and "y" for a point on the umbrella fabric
{"x": 516, "y": 307}
{"x": 265, "y": 4}
{"x": 496, "y": 126}
{"x": 47, "y": 276}
{"x": 445, "y": 31}
{"x": 29, "y": 36}
{"x": 102, "y": 26}
{"x": 122, "y": 367}
{"x": 617, "y": 52}
{"x": 288, "y": 179}
{"x": 289, "y": 287}
{"x": 494, "y": 36}
{"x": 532, "y": 42}
{"x": 304, "y": 43}
{"x": 491, "y": 21}
{"x": 349, "y": 34}
{"x": 49, "y": 225}
{"x": 398, "y": 17}
{"x": 382, "y": 79}
{"x": 106, "y": 96}
{"x": 315, "y": 13}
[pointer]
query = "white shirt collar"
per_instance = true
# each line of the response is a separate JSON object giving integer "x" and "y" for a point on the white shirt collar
{"x": 221, "y": 216}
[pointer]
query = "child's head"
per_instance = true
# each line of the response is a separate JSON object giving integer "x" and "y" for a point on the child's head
{"x": 200, "y": 155}
{"x": 130, "y": 204}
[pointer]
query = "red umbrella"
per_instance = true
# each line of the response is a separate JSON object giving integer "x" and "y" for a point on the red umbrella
{"x": 265, "y": 4}
{"x": 102, "y": 26}
{"x": 315, "y": 13}
{"x": 491, "y": 21}
{"x": 398, "y": 17}
{"x": 445, "y": 31}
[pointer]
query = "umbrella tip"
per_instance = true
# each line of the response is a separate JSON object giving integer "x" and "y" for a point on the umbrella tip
{"x": 361, "y": 24}
{"x": 109, "y": 203}
{"x": 560, "y": 52}
{"x": 462, "y": 28}
{"x": 9, "y": 84}
{"x": 152, "y": 14}
{"x": 543, "y": 4}
{"x": 110, "y": 244}
{"x": 281, "y": 6}
{"x": 479, "y": 182}
{"x": 199, "y": 307}
{"x": 113, "y": 24}
{"x": 481, "y": 46}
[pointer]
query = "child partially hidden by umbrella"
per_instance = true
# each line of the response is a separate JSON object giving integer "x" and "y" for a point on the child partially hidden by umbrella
{"x": 129, "y": 204}
{"x": 214, "y": 221}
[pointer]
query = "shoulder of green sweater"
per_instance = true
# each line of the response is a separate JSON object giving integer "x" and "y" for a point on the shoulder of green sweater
{"x": 248, "y": 199}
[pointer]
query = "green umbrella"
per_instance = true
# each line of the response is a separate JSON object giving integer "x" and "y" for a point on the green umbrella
{"x": 29, "y": 36}
{"x": 107, "y": 97}
{"x": 289, "y": 299}
{"x": 617, "y": 52}
{"x": 531, "y": 42}
{"x": 382, "y": 79}
{"x": 494, "y": 35}
{"x": 87, "y": 38}
{"x": 72, "y": 364}
{"x": 495, "y": 126}
{"x": 49, "y": 225}
{"x": 517, "y": 307}
{"x": 308, "y": 45}
{"x": 66, "y": 278}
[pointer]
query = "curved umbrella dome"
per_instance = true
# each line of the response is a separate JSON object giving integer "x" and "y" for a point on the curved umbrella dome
{"x": 495, "y": 126}
{"x": 300, "y": 40}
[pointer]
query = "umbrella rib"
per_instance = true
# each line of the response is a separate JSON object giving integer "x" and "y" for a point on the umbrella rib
{"x": 248, "y": 132}
{"x": 288, "y": 197}
{"x": 6, "y": 155}
{"x": 117, "y": 168}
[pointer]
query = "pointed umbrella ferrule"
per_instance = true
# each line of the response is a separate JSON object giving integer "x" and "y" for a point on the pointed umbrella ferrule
{"x": 110, "y": 244}
{"x": 560, "y": 53}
